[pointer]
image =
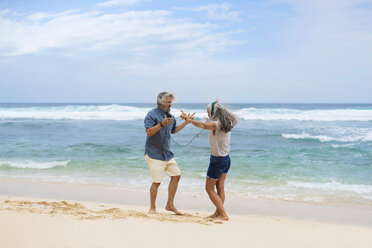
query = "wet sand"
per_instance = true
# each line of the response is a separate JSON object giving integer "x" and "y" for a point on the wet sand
{"x": 40, "y": 214}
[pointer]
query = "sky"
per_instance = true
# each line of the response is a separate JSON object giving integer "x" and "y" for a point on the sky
{"x": 241, "y": 51}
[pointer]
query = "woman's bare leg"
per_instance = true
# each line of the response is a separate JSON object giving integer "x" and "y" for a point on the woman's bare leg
{"x": 220, "y": 185}
{"x": 215, "y": 198}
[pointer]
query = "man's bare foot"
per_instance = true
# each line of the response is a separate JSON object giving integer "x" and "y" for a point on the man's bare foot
{"x": 221, "y": 217}
{"x": 173, "y": 209}
{"x": 214, "y": 215}
{"x": 152, "y": 211}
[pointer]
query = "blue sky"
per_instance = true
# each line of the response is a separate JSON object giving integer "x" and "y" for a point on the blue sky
{"x": 238, "y": 51}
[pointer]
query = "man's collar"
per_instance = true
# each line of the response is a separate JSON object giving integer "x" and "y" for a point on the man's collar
{"x": 161, "y": 110}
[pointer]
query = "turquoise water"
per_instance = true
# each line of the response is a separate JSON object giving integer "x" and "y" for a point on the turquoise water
{"x": 318, "y": 153}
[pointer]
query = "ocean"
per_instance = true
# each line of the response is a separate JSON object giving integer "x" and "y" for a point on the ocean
{"x": 316, "y": 153}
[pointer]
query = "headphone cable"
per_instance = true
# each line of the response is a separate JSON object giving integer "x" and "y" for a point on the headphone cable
{"x": 197, "y": 135}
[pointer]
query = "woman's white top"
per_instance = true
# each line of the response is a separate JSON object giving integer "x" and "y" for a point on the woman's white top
{"x": 219, "y": 142}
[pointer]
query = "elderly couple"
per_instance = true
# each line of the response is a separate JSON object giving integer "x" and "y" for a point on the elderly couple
{"x": 159, "y": 124}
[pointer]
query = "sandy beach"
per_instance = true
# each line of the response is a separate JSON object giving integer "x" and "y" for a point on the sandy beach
{"x": 80, "y": 216}
{"x": 110, "y": 107}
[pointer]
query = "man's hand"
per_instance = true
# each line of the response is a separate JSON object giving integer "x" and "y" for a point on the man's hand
{"x": 166, "y": 121}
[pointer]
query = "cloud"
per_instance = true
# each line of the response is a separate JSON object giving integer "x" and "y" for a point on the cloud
{"x": 216, "y": 11}
{"x": 4, "y": 11}
{"x": 96, "y": 30}
{"x": 113, "y": 3}
{"x": 331, "y": 23}
{"x": 328, "y": 35}
{"x": 301, "y": 50}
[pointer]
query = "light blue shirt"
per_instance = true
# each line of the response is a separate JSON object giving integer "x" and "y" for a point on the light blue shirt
{"x": 158, "y": 145}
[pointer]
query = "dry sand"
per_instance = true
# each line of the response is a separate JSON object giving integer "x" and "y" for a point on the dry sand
{"x": 29, "y": 222}
{"x": 101, "y": 211}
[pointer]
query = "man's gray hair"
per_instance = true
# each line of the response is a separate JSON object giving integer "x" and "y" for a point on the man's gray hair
{"x": 162, "y": 97}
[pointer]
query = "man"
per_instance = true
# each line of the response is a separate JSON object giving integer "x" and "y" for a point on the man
{"x": 159, "y": 124}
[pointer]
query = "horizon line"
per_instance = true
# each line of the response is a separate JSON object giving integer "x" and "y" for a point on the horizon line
{"x": 185, "y": 102}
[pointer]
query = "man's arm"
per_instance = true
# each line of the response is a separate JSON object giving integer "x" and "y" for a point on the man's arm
{"x": 180, "y": 127}
{"x": 153, "y": 130}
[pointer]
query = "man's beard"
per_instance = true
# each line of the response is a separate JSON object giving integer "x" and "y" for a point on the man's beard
{"x": 167, "y": 109}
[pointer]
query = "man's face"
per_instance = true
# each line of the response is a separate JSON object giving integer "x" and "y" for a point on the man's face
{"x": 168, "y": 104}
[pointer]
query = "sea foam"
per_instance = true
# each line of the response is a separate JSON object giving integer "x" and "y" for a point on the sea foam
{"x": 325, "y": 138}
{"x": 305, "y": 115}
{"x": 126, "y": 113}
{"x": 29, "y": 164}
{"x": 334, "y": 186}
{"x": 88, "y": 112}
{"x": 73, "y": 112}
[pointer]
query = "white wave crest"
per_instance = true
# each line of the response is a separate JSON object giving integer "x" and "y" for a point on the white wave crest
{"x": 29, "y": 164}
{"x": 88, "y": 112}
{"x": 334, "y": 186}
{"x": 305, "y": 115}
{"x": 325, "y": 138}
{"x": 125, "y": 113}
{"x": 368, "y": 137}
{"x": 74, "y": 112}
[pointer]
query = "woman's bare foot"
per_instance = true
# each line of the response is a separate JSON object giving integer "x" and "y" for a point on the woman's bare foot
{"x": 214, "y": 215}
{"x": 152, "y": 211}
{"x": 221, "y": 217}
{"x": 173, "y": 209}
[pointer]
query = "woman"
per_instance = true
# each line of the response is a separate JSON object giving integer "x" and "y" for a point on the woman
{"x": 220, "y": 123}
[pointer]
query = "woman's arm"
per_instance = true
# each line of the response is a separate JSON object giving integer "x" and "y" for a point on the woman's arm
{"x": 190, "y": 119}
{"x": 203, "y": 125}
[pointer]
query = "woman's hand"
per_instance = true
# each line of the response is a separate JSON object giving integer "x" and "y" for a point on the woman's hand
{"x": 187, "y": 117}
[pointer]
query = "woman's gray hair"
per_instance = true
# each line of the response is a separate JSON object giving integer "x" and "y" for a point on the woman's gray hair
{"x": 162, "y": 97}
{"x": 227, "y": 119}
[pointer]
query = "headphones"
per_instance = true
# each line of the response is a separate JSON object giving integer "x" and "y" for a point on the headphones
{"x": 212, "y": 108}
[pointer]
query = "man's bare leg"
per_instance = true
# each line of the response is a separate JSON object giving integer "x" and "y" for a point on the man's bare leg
{"x": 215, "y": 198}
{"x": 153, "y": 193}
{"x": 220, "y": 185}
{"x": 172, "y": 188}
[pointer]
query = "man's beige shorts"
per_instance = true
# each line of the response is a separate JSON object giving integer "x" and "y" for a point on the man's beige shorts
{"x": 157, "y": 168}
